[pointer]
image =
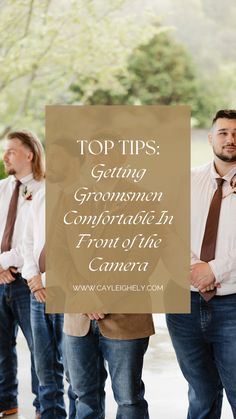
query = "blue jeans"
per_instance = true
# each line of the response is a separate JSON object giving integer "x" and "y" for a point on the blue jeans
{"x": 71, "y": 395}
{"x": 48, "y": 340}
{"x": 205, "y": 345}
{"x": 14, "y": 312}
{"x": 86, "y": 356}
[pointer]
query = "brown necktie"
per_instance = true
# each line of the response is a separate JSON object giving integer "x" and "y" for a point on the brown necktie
{"x": 210, "y": 235}
{"x": 42, "y": 260}
{"x": 11, "y": 218}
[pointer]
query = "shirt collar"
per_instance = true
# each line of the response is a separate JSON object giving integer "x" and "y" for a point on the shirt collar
{"x": 24, "y": 180}
{"x": 228, "y": 177}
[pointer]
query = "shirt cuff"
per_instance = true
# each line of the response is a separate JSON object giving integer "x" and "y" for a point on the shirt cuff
{"x": 43, "y": 279}
{"x": 28, "y": 275}
{"x": 4, "y": 262}
{"x": 213, "y": 266}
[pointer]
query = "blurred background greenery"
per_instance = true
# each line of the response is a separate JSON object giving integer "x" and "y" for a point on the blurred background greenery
{"x": 2, "y": 173}
{"x": 115, "y": 52}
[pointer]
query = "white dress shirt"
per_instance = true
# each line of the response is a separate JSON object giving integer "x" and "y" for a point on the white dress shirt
{"x": 204, "y": 186}
{"x": 34, "y": 237}
{"x": 29, "y": 186}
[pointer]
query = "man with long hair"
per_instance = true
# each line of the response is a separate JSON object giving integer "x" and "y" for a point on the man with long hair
{"x": 47, "y": 328}
{"x": 24, "y": 163}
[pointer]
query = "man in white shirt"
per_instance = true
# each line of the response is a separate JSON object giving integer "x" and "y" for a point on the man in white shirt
{"x": 47, "y": 329}
{"x": 24, "y": 163}
{"x": 205, "y": 340}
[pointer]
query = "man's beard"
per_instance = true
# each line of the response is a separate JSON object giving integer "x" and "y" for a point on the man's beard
{"x": 10, "y": 171}
{"x": 223, "y": 157}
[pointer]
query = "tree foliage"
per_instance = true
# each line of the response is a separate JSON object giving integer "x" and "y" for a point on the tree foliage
{"x": 205, "y": 27}
{"x": 2, "y": 172}
{"x": 160, "y": 71}
{"x": 45, "y": 45}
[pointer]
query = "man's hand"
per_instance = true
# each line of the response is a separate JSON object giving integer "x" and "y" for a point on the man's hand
{"x": 202, "y": 277}
{"x": 95, "y": 316}
{"x": 40, "y": 295}
{"x": 210, "y": 287}
{"x": 6, "y": 276}
{"x": 35, "y": 283}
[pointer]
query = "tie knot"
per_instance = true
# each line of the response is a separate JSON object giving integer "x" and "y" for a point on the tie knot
{"x": 220, "y": 181}
{"x": 18, "y": 183}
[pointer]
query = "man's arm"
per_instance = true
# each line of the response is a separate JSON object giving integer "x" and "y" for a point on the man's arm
{"x": 215, "y": 272}
{"x": 224, "y": 266}
{"x": 35, "y": 283}
{"x": 40, "y": 295}
{"x": 6, "y": 276}
{"x": 202, "y": 277}
{"x": 30, "y": 268}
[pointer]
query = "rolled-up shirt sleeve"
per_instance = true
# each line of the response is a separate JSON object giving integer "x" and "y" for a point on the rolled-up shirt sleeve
{"x": 12, "y": 258}
{"x": 194, "y": 259}
{"x": 224, "y": 268}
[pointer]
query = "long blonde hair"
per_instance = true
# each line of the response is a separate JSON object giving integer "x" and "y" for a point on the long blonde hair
{"x": 31, "y": 141}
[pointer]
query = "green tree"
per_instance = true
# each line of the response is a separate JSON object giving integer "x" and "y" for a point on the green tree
{"x": 45, "y": 45}
{"x": 2, "y": 172}
{"x": 160, "y": 71}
